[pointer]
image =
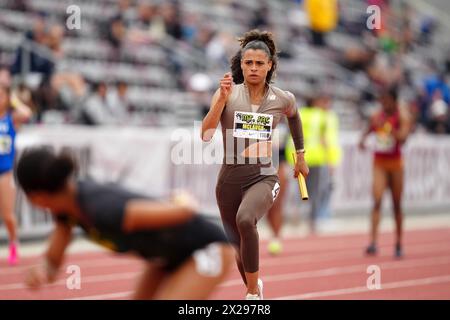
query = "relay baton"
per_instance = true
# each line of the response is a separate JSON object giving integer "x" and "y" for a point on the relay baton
{"x": 301, "y": 182}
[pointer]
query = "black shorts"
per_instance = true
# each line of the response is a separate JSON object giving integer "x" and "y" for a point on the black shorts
{"x": 172, "y": 246}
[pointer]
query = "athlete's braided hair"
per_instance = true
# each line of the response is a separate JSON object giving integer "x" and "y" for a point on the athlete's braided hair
{"x": 254, "y": 39}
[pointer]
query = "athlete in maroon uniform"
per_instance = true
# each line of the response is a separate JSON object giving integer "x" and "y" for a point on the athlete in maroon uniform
{"x": 391, "y": 126}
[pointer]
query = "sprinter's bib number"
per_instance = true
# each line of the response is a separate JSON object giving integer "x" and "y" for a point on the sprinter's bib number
{"x": 252, "y": 125}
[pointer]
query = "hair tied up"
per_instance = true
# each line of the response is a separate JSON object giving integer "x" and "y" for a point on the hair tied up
{"x": 262, "y": 40}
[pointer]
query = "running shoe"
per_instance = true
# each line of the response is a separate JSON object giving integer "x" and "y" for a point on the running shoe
{"x": 275, "y": 247}
{"x": 398, "y": 251}
{"x": 371, "y": 250}
{"x": 13, "y": 255}
{"x": 258, "y": 296}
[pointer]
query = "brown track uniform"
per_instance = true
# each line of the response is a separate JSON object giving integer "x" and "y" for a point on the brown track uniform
{"x": 247, "y": 187}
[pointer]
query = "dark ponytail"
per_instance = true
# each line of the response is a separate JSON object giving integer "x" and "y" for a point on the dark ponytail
{"x": 254, "y": 39}
{"x": 40, "y": 169}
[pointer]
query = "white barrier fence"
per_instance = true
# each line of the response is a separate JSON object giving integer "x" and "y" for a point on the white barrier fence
{"x": 150, "y": 161}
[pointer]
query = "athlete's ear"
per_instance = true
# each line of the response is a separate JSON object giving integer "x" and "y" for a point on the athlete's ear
{"x": 270, "y": 64}
{"x": 35, "y": 199}
{"x": 39, "y": 199}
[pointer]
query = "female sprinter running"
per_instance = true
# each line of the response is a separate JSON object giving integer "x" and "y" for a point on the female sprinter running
{"x": 249, "y": 110}
{"x": 187, "y": 256}
{"x": 13, "y": 114}
{"x": 391, "y": 126}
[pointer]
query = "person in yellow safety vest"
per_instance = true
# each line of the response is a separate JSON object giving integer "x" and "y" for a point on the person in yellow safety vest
{"x": 323, "y": 18}
{"x": 314, "y": 134}
{"x": 333, "y": 151}
{"x": 275, "y": 213}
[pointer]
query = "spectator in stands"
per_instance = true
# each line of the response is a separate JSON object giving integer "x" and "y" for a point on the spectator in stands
{"x": 43, "y": 44}
{"x": 55, "y": 38}
{"x": 200, "y": 86}
{"x": 126, "y": 11}
{"x": 323, "y": 17}
{"x": 434, "y": 81}
{"x": 203, "y": 36}
{"x": 146, "y": 14}
{"x": 147, "y": 28}
{"x": 118, "y": 101}
{"x": 116, "y": 32}
{"x": 428, "y": 26}
{"x": 170, "y": 13}
{"x": 357, "y": 57}
{"x": 190, "y": 26}
{"x": 437, "y": 82}
{"x": 60, "y": 79}
{"x": 439, "y": 114}
{"x": 219, "y": 48}
{"x": 98, "y": 110}
{"x": 407, "y": 31}
{"x": 39, "y": 62}
{"x": 261, "y": 19}
{"x": 18, "y": 5}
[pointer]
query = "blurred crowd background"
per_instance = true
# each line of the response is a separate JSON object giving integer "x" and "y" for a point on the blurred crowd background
{"x": 156, "y": 63}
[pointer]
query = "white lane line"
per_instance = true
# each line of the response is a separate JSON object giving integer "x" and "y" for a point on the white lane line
{"x": 106, "y": 296}
{"x": 345, "y": 254}
{"x": 89, "y": 279}
{"x": 265, "y": 262}
{"x": 94, "y": 263}
{"x": 278, "y": 277}
{"x": 348, "y": 269}
{"x": 384, "y": 286}
{"x": 301, "y": 275}
{"x": 312, "y": 274}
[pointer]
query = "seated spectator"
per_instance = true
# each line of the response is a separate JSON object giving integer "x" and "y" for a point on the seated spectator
{"x": 147, "y": 27}
{"x": 118, "y": 101}
{"x": 39, "y": 62}
{"x": 261, "y": 18}
{"x": 439, "y": 115}
{"x": 116, "y": 32}
{"x": 170, "y": 13}
{"x": 97, "y": 109}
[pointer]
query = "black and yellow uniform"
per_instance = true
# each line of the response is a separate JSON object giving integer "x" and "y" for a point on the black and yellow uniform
{"x": 103, "y": 210}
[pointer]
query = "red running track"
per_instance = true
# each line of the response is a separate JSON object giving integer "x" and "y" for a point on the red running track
{"x": 326, "y": 267}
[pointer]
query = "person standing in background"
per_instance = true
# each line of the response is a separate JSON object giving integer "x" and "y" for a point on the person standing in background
{"x": 333, "y": 153}
{"x": 391, "y": 126}
{"x": 323, "y": 18}
{"x": 275, "y": 214}
{"x": 13, "y": 113}
{"x": 314, "y": 130}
